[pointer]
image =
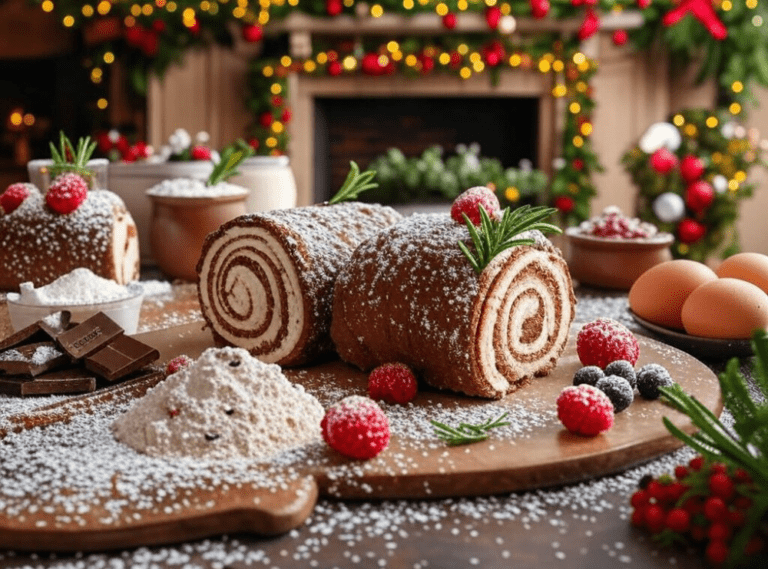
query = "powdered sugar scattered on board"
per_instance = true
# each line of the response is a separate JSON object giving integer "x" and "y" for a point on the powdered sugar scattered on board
{"x": 494, "y": 531}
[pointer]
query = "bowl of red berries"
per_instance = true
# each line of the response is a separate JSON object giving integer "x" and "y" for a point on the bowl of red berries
{"x": 612, "y": 250}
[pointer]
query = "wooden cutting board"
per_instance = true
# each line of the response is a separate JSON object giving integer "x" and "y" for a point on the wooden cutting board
{"x": 421, "y": 467}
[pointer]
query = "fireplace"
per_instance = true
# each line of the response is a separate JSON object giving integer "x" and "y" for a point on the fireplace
{"x": 360, "y": 129}
{"x": 338, "y": 119}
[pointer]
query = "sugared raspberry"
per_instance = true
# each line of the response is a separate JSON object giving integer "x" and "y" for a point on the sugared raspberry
{"x": 618, "y": 390}
{"x": 177, "y": 363}
{"x": 393, "y": 383}
{"x": 605, "y": 340}
{"x": 356, "y": 427}
{"x": 66, "y": 193}
{"x": 650, "y": 378}
{"x": 14, "y": 195}
{"x": 469, "y": 201}
{"x": 200, "y": 152}
{"x": 584, "y": 410}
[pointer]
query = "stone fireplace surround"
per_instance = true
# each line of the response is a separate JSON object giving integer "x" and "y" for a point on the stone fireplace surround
{"x": 631, "y": 90}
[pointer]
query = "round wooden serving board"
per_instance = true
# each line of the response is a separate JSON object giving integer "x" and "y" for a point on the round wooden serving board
{"x": 543, "y": 454}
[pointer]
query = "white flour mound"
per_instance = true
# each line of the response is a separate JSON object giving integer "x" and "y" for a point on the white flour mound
{"x": 225, "y": 405}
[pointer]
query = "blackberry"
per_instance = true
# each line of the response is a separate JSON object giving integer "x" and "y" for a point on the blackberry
{"x": 618, "y": 390}
{"x": 624, "y": 369}
{"x": 650, "y": 378}
{"x": 589, "y": 375}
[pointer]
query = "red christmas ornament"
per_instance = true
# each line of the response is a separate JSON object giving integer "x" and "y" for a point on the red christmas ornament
{"x": 492, "y": 16}
{"x": 134, "y": 35}
{"x": 200, "y": 152}
{"x": 122, "y": 144}
{"x": 493, "y": 53}
{"x": 578, "y": 164}
{"x": 333, "y": 7}
{"x": 703, "y": 11}
{"x": 663, "y": 161}
{"x": 455, "y": 59}
{"x": 643, "y": 4}
{"x": 449, "y": 20}
{"x": 539, "y": 8}
{"x": 254, "y": 143}
{"x": 286, "y": 115}
{"x": 194, "y": 29}
{"x": 252, "y": 33}
{"x": 620, "y": 37}
{"x": 691, "y": 168}
{"x": 689, "y": 230}
{"x": 370, "y": 64}
{"x": 158, "y": 25}
{"x": 277, "y": 101}
{"x": 150, "y": 44}
{"x": 699, "y": 196}
{"x": 103, "y": 142}
{"x": 564, "y": 204}
{"x": 590, "y": 25}
{"x": 427, "y": 63}
{"x": 334, "y": 68}
{"x": 265, "y": 119}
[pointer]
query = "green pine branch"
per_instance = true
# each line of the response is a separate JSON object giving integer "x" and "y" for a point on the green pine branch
{"x": 231, "y": 157}
{"x": 67, "y": 158}
{"x": 355, "y": 184}
{"x": 495, "y": 236}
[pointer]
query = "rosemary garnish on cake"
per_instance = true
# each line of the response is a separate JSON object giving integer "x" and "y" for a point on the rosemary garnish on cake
{"x": 467, "y": 433}
{"x": 495, "y": 236}
{"x": 67, "y": 158}
{"x": 231, "y": 157}
{"x": 355, "y": 184}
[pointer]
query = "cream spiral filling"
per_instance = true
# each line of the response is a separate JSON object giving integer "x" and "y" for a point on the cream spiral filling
{"x": 250, "y": 287}
{"x": 523, "y": 320}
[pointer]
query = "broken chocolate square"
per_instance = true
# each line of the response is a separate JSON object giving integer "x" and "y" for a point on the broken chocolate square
{"x": 32, "y": 359}
{"x": 60, "y": 382}
{"x": 41, "y": 331}
{"x": 89, "y": 336}
{"x": 120, "y": 357}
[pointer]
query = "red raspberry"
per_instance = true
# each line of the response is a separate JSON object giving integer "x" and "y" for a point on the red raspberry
{"x": 177, "y": 363}
{"x": 200, "y": 153}
{"x": 469, "y": 201}
{"x": 655, "y": 516}
{"x": 721, "y": 485}
{"x": 356, "y": 427}
{"x": 605, "y": 340}
{"x": 66, "y": 193}
{"x": 393, "y": 383}
{"x": 13, "y": 196}
{"x": 584, "y": 409}
{"x": 717, "y": 551}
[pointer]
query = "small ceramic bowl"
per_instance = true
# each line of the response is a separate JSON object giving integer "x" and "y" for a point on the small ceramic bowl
{"x": 613, "y": 263}
{"x": 125, "y": 312}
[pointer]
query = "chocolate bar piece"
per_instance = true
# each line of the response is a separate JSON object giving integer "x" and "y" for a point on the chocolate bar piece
{"x": 41, "y": 331}
{"x": 61, "y": 382}
{"x": 89, "y": 336}
{"x": 32, "y": 359}
{"x": 120, "y": 357}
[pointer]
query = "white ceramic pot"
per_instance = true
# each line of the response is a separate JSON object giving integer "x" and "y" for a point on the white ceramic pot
{"x": 131, "y": 181}
{"x": 270, "y": 182}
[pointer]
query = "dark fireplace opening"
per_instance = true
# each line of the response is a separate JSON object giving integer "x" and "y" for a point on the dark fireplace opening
{"x": 360, "y": 129}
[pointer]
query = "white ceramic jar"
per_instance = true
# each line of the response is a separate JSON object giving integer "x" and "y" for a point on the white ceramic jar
{"x": 270, "y": 181}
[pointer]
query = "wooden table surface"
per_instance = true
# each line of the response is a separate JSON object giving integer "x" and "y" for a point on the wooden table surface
{"x": 583, "y": 525}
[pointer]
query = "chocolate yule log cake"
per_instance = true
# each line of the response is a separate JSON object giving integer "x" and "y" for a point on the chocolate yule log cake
{"x": 266, "y": 279}
{"x": 410, "y": 295}
{"x": 38, "y": 244}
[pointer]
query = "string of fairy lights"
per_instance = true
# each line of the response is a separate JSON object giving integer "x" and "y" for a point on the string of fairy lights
{"x": 152, "y": 35}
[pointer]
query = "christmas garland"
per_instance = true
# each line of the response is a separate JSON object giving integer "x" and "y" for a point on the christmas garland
{"x": 571, "y": 187}
{"x": 691, "y": 172}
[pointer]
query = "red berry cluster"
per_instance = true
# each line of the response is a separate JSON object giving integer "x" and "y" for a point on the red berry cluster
{"x": 705, "y": 502}
{"x": 612, "y": 223}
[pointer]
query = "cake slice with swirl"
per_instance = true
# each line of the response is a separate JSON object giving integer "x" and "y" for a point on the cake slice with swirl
{"x": 410, "y": 294}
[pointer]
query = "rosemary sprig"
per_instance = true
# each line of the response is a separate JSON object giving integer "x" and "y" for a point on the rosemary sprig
{"x": 231, "y": 157}
{"x": 67, "y": 158}
{"x": 355, "y": 184}
{"x": 467, "y": 433}
{"x": 495, "y": 236}
{"x": 748, "y": 447}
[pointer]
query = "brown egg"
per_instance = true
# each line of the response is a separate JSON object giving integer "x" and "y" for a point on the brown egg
{"x": 725, "y": 308}
{"x": 750, "y": 267}
{"x": 659, "y": 293}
